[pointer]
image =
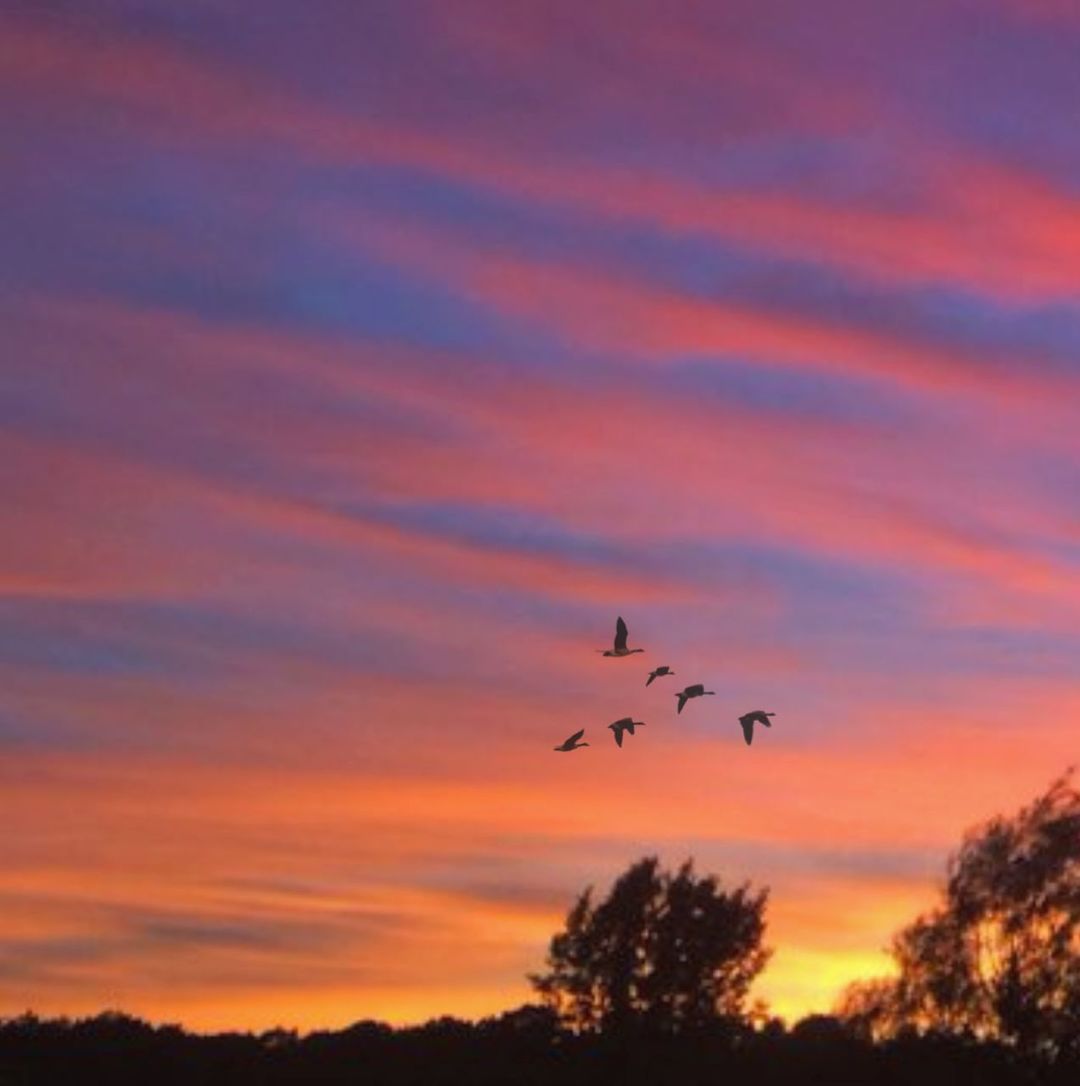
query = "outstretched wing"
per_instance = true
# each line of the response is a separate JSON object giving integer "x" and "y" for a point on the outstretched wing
{"x": 620, "y": 634}
{"x": 576, "y": 736}
{"x": 682, "y": 701}
{"x": 763, "y": 718}
{"x": 747, "y": 723}
{"x": 652, "y": 675}
{"x": 616, "y": 730}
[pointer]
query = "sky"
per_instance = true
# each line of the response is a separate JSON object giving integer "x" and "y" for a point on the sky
{"x": 361, "y": 361}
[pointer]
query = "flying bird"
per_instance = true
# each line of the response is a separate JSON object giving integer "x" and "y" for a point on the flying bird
{"x": 658, "y": 673}
{"x": 620, "y": 648}
{"x": 748, "y": 721}
{"x": 695, "y": 691}
{"x": 627, "y": 724}
{"x": 572, "y": 743}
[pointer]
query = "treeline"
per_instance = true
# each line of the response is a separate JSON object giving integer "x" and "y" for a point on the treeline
{"x": 523, "y": 1047}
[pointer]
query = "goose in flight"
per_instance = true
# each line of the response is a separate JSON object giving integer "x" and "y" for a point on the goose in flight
{"x": 572, "y": 743}
{"x": 658, "y": 673}
{"x": 695, "y": 691}
{"x": 627, "y": 724}
{"x": 748, "y": 720}
{"x": 620, "y": 648}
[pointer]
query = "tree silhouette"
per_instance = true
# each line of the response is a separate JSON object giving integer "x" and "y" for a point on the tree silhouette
{"x": 662, "y": 952}
{"x": 1000, "y": 957}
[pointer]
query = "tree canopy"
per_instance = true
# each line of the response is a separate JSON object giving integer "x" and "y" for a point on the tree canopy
{"x": 999, "y": 958}
{"x": 663, "y": 951}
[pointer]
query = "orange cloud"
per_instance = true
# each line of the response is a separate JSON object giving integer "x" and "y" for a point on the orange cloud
{"x": 293, "y": 620}
{"x": 317, "y": 896}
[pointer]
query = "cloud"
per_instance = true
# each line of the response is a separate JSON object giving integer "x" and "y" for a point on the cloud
{"x": 341, "y": 414}
{"x": 972, "y": 222}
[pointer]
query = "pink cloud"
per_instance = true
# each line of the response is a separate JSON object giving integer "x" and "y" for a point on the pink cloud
{"x": 280, "y": 783}
{"x": 590, "y": 459}
{"x": 978, "y": 225}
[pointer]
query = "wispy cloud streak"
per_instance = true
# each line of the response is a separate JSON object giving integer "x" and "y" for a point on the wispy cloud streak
{"x": 359, "y": 368}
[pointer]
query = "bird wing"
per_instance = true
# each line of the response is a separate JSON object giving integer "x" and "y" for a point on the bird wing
{"x": 618, "y": 734}
{"x": 697, "y": 688}
{"x": 652, "y": 675}
{"x": 764, "y": 718}
{"x": 576, "y": 736}
{"x": 747, "y": 729}
{"x": 682, "y": 701}
{"x": 620, "y": 634}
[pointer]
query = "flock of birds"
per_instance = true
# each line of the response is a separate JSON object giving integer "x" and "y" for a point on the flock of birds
{"x": 697, "y": 690}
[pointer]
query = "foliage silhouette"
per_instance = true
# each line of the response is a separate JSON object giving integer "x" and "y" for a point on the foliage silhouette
{"x": 662, "y": 953}
{"x": 1000, "y": 957}
{"x": 523, "y": 1047}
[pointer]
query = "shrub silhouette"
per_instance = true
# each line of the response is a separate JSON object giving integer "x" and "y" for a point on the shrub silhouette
{"x": 999, "y": 959}
{"x": 662, "y": 953}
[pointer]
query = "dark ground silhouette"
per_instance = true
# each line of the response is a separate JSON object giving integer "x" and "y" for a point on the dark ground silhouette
{"x": 522, "y": 1046}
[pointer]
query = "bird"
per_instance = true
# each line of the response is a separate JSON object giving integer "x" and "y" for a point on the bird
{"x": 572, "y": 743}
{"x": 658, "y": 673}
{"x": 694, "y": 691}
{"x": 627, "y": 724}
{"x": 748, "y": 720}
{"x": 620, "y": 648}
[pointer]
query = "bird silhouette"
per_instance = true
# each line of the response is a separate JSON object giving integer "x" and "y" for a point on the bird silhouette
{"x": 627, "y": 724}
{"x": 695, "y": 691}
{"x": 748, "y": 720}
{"x": 620, "y": 648}
{"x": 572, "y": 743}
{"x": 658, "y": 673}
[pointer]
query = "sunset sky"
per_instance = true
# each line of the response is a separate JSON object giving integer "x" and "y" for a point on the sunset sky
{"x": 361, "y": 361}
